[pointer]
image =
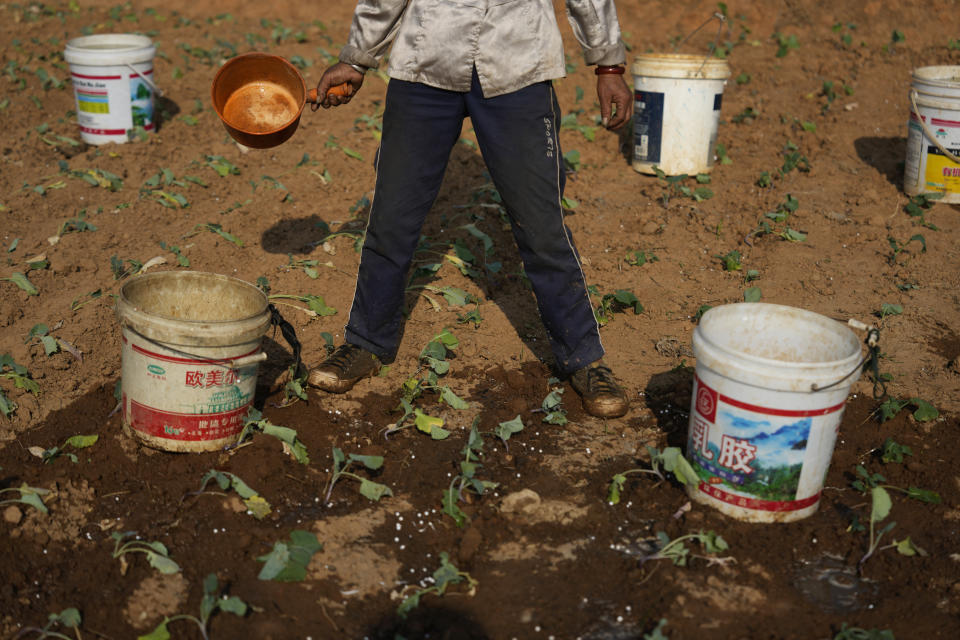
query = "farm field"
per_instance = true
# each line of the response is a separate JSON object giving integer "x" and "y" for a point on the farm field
{"x": 380, "y": 521}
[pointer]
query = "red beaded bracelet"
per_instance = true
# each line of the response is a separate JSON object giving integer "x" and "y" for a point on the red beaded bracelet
{"x": 603, "y": 70}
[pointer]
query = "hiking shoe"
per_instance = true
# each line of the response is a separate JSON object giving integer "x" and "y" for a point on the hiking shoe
{"x": 602, "y": 397}
{"x": 343, "y": 368}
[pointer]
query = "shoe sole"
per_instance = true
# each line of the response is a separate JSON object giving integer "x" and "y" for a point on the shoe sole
{"x": 329, "y": 382}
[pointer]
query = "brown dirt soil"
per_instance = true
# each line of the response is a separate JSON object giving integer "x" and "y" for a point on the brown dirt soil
{"x": 552, "y": 559}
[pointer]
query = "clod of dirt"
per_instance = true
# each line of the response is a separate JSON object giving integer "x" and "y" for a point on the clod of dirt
{"x": 69, "y": 505}
{"x": 12, "y": 514}
{"x": 156, "y": 597}
{"x": 523, "y": 501}
{"x": 469, "y": 544}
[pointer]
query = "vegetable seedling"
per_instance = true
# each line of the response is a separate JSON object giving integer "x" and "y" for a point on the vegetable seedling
{"x": 317, "y": 306}
{"x": 880, "y": 505}
{"x": 670, "y": 459}
{"x": 677, "y": 552}
{"x": 157, "y": 554}
{"x": 447, "y": 574}
{"x": 467, "y": 479}
{"x": 76, "y": 442}
{"x": 368, "y": 488}
{"x": 41, "y": 332}
{"x": 257, "y": 506}
{"x": 28, "y": 495}
{"x": 925, "y": 412}
{"x": 69, "y": 618}
{"x": 21, "y": 380}
{"x": 23, "y": 282}
{"x": 254, "y": 422}
{"x": 287, "y": 562}
{"x": 211, "y": 603}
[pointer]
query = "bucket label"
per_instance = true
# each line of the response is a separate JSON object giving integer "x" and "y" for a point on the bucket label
{"x": 757, "y": 457}
{"x": 647, "y": 126}
{"x": 172, "y": 396}
{"x": 110, "y": 103}
{"x": 187, "y": 427}
{"x": 943, "y": 174}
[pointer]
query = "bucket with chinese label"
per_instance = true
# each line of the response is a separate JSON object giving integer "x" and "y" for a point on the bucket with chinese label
{"x": 770, "y": 386}
{"x": 191, "y": 349}
{"x": 933, "y": 134}
{"x": 112, "y": 78}
{"x": 677, "y": 112}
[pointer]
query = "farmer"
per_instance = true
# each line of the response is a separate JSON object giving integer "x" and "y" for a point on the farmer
{"x": 491, "y": 60}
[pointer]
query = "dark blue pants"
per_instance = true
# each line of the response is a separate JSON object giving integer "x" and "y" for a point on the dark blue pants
{"x": 517, "y": 134}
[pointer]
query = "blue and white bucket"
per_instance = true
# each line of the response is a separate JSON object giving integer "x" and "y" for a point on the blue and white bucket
{"x": 771, "y": 385}
{"x": 113, "y": 84}
{"x": 676, "y": 112}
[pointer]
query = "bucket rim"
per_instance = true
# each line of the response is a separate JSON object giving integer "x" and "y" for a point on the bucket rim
{"x": 937, "y": 75}
{"x": 680, "y": 65}
{"x": 841, "y": 364}
{"x": 132, "y": 49}
{"x": 145, "y": 279}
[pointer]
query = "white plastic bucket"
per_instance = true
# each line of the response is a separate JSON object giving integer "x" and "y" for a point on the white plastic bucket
{"x": 933, "y": 133}
{"x": 113, "y": 84}
{"x": 760, "y": 437}
{"x": 191, "y": 347}
{"x": 677, "y": 112}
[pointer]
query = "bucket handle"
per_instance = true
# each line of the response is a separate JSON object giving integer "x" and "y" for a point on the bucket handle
{"x": 926, "y": 129}
{"x": 157, "y": 90}
{"x": 873, "y": 355}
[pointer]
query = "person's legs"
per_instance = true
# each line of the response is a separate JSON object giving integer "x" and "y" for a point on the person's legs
{"x": 517, "y": 134}
{"x": 420, "y": 126}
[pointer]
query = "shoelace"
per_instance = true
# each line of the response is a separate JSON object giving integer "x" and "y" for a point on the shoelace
{"x": 344, "y": 356}
{"x": 600, "y": 380}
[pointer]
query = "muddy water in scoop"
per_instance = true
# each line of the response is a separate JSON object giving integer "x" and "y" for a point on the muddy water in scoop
{"x": 260, "y": 107}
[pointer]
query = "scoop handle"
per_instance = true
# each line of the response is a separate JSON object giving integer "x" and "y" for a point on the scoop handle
{"x": 340, "y": 90}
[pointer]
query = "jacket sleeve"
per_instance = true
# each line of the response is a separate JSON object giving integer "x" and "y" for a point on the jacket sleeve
{"x": 375, "y": 25}
{"x": 596, "y": 28}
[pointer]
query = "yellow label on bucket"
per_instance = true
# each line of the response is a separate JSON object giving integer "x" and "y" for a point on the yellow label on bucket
{"x": 942, "y": 173}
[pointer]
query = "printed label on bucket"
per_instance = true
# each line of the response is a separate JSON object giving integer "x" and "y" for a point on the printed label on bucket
{"x": 760, "y": 458}
{"x": 943, "y": 174}
{"x": 647, "y": 126}
{"x": 188, "y": 427}
{"x": 111, "y": 103}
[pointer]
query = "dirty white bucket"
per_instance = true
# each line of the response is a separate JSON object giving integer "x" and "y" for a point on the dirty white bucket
{"x": 191, "y": 346}
{"x": 933, "y": 133}
{"x": 113, "y": 84}
{"x": 677, "y": 111}
{"x": 760, "y": 437}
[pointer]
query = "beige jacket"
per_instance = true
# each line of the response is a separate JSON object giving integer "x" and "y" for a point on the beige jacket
{"x": 512, "y": 43}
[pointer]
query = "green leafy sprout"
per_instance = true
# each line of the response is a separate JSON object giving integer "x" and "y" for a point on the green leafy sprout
{"x": 69, "y": 618}
{"x": 446, "y": 575}
{"x": 156, "y": 552}
{"x": 287, "y": 561}
{"x": 256, "y": 505}
{"x": 254, "y": 422}
{"x": 32, "y": 496}
{"x": 670, "y": 460}
{"x": 467, "y": 479}
{"x": 211, "y": 602}
{"x": 368, "y": 488}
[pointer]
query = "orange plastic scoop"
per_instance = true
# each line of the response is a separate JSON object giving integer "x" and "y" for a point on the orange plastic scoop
{"x": 259, "y": 98}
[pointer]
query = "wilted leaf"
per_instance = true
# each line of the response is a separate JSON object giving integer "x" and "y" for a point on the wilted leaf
{"x": 506, "y": 429}
{"x": 373, "y": 490}
{"x": 881, "y": 504}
